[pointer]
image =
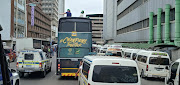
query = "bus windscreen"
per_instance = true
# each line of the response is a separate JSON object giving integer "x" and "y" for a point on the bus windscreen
{"x": 70, "y": 26}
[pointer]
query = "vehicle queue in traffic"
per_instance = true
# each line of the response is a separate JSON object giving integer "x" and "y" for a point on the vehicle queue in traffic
{"x": 151, "y": 64}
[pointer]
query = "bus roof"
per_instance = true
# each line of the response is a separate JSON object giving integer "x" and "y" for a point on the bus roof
{"x": 65, "y": 18}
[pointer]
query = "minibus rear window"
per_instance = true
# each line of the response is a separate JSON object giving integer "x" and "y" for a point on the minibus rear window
{"x": 158, "y": 61}
{"x": 29, "y": 56}
{"x": 119, "y": 74}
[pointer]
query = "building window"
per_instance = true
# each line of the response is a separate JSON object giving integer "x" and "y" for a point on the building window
{"x": 155, "y": 20}
{"x": 119, "y": 1}
{"x": 163, "y": 17}
{"x": 133, "y": 6}
{"x": 172, "y": 14}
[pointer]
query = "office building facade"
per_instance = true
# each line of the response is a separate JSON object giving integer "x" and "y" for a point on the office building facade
{"x": 141, "y": 21}
{"x": 42, "y": 22}
{"x": 50, "y": 8}
{"x": 97, "y": 28}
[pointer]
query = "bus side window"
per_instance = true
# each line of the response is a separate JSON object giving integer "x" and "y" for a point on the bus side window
{"x": 174, "y": 68}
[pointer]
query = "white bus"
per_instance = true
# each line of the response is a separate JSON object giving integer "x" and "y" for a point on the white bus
{"x": 153, "y": 63}
{"x": 131, "y": 53}
{"x": 97, "y": 70}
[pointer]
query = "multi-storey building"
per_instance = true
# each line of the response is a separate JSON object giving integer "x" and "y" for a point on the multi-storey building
{"x": 42, "y": 22}
{"x": 50, "y": 7}
{"x": 12, "y": 17}
{"x": 143, "y": 21}
{"x": 97, "y": 27}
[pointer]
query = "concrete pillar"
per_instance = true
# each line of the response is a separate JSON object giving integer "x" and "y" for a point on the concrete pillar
{"x": 167, "y": 24}
{"x": 159, "y": 36}
{"x": 151, "y": 28}
{"x": 177, "y": 23}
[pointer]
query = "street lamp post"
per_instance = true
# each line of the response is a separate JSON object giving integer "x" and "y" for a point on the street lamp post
{"x": 17, "y": 18}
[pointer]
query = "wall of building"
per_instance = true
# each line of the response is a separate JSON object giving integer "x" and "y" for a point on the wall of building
{"x": 109, "y": 18}
{"x": 97, "y": 27}
{"x": 132, "y": 19}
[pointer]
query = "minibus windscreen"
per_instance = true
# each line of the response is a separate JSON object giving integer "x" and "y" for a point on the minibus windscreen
{"x": 158, "y": 61}
{"x": 119, "y": 74}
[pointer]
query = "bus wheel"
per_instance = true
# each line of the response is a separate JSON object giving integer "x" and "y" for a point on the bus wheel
{"x": 171, "y": 83}
{"x": 21, "y": 74}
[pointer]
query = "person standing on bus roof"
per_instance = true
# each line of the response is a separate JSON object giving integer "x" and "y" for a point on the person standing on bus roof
{"x": 68, "y": 13}
{"x": 80, "y": 67}
{"x": 82, "y": 13}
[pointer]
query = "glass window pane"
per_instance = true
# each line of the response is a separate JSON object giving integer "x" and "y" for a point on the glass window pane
{"x": 119, "y": 74}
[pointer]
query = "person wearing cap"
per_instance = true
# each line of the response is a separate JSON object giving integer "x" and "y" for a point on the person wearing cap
{"x": 82, "y": 13}
{"x": 68, "y": 13}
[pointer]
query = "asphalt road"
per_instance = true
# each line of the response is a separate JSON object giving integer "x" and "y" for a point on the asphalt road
{"x": 53, "y": 79}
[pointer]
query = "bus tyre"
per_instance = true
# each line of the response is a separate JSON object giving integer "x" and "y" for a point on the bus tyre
{"x": 142, "y": 74}
{"x": 171, "y": 83}
{"x": 21, "y": 74}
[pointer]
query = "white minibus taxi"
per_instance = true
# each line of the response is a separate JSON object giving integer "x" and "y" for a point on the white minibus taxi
{"x": 115, "y": 52}
{"x": 131, "y": 53}
{"x": 108, "y": 70}
{"x": 174, "y": 72}
{"x": 153, "y": 63}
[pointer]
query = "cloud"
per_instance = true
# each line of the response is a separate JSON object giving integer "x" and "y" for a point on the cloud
{"x": 89, "y": 6}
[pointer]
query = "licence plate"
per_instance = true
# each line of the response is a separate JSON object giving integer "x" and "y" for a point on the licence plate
{"x": 28, "y": 71}
{"x": 28, "y": 65}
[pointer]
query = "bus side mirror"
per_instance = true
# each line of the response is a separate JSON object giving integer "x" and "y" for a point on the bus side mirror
{"x": 167, "y": 67}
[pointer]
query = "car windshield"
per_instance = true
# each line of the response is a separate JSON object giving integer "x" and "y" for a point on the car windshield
{"x": 158, "y": 61}
{"x": 119, "y": 74}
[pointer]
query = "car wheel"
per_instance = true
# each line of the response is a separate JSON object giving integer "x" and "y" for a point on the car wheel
{"x": 21, "y": 74}
{"x": 50, "y": 69}
{"x": 142, "y": 74}
{"x": 43, "y": 73}
{"x": 17, "y": 83}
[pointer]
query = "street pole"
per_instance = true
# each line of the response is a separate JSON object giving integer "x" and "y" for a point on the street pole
{"x": 51, "y": 24}
{"x": 25, "y": 30}
{"x": 17, "y": 18}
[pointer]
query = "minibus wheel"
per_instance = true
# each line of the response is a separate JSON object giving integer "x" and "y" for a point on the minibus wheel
{"x": 142, "y": 74}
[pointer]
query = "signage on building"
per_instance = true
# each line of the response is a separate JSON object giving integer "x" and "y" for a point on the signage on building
{"x": 32, "y": 15}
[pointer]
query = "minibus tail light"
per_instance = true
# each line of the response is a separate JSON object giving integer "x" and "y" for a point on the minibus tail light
{"x": 115, "y": 63}
{"x": 147, "y": 67}
{"x": 89, "y": 84}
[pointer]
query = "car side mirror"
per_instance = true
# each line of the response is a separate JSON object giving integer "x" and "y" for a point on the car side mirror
{"x": 167, "y": 67}
{"x": 13, "y": 71}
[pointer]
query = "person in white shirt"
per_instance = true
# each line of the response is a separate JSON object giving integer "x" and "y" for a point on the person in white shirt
{"x": 82, "y": 13}
{"x": 80, "y": 67}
